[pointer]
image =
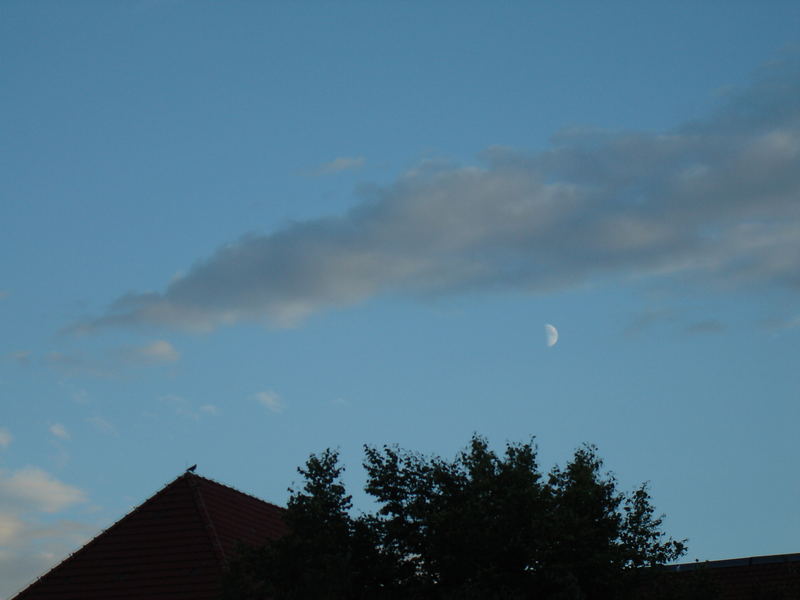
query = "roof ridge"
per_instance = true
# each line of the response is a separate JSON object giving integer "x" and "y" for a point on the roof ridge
{"x": 745, "y": 561}
{"x": 201, "y": 507}
{"x": 230, "y": 487}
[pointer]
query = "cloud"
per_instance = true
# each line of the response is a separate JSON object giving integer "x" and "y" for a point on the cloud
{"x": 648, "y": 318}
{"x": 75, "y": 364}
{"x": 709, "y": 203}
{"x": 5, "y": 437}
{"x": 184, "y": 408}
{"x": 707, "y": 326}
{"x": 343, "y": 163}
{"x": 782, "y": 324}
{"x": 269, "y": 400}
{"x": 22, "y": 357}
{"x": 32, "y": 488}
{"x": 58, "y": 430}
{"x": 10, "y": 528}
{"x": 113, "y": 362}
{"x": 80, "y": 396}
{"x": 102, "y": 425}
{"x": 160, "y": 351}
{"x": 28, "y": 545}
{"x": 4, "y": 294}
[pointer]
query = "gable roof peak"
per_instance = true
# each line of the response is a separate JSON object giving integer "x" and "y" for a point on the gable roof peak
{"x": 181, "y": 538}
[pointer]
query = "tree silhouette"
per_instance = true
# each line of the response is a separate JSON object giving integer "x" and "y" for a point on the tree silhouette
{"x": 481, "y": 525}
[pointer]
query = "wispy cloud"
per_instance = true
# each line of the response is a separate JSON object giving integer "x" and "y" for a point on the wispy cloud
{"x": 185, "y": 408}
{"x": 269, "y": 400}
{"x": 5, "y": 437}
{"x": 343, "y": 163}
{"x": 648, "y": 318}
{"x": 706, "y": 326}
{"x": 4, "y": 294}
{"x": 59, "y": 431}
{"x": 28, "y": 544}
{"x": 102, "y": 425}
{"x": 711, "y": 202}
{"x": 159, "y": 351}
{"x": 32, "y": 488}
{"x": 22, "y": 357}
{"x": 80, "y": 396}
{"x": 76, "y": 364}
{"x": 783, "y": 324}
{"x": 113, "y": 362}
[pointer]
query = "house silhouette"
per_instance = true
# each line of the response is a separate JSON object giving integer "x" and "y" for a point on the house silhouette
{"x": 174, "y": 546}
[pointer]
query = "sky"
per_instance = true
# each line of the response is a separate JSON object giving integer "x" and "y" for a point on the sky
{"x": 234, "y": 234}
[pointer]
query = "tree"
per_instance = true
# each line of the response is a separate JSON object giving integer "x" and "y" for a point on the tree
{"x": 480, "y": 526}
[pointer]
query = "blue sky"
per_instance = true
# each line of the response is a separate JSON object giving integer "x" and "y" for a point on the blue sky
{"x": 234, "y": 234}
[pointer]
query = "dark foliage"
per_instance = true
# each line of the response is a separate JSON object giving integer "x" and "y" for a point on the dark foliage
{"x": 480, "y": 526}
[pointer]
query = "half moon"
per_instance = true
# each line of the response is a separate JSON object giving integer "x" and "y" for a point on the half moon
{"x": 551, "y": 333}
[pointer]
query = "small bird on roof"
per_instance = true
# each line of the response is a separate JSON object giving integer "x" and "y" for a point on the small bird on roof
{"x": 191, "y": 469}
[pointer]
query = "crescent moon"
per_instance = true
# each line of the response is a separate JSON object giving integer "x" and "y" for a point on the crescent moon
{"x": 551, "y": 333}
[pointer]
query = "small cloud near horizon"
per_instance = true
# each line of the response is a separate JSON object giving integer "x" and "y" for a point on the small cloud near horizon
{"x": 34, "y": 488}
{"x": 31, "y": 544}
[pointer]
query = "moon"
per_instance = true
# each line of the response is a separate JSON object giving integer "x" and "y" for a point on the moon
{"x": 551, "y": 333}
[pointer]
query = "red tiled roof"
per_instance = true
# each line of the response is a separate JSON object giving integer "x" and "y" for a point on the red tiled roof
{"x": 173, "y": 546}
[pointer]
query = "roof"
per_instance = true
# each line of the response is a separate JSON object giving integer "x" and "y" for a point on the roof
{"x": 774, "y": 576}
{"x": 173, "y": 546}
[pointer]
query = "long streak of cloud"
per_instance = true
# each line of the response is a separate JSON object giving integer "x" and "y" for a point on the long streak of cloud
{"x": 715, "y": 199}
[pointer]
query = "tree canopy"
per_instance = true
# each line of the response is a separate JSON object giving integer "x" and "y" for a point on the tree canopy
{"x": 483, "y": 525}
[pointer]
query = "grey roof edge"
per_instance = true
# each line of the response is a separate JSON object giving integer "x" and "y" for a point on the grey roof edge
{"x": 737, "y": 562}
